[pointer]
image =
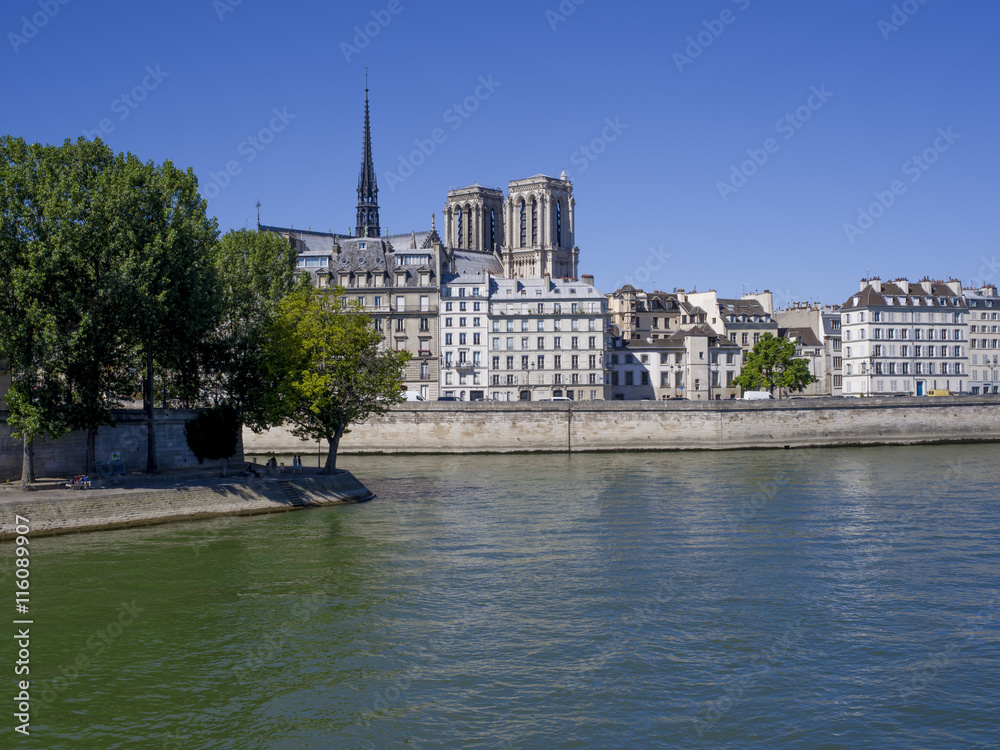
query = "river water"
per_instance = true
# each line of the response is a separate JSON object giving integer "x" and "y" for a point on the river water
{"x": 828, "y": 598}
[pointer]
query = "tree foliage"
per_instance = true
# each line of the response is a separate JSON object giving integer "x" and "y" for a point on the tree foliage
{"x": 254, "y": 272}
{"x": 772, "y": 364}
{"x": 213, "y": 433}
{"x": 104, "y": 269}
{"x": 332, "y": 370}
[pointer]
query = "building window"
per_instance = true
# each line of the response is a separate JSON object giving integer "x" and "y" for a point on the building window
{"x": 524, "y": 226}
{"x": 629, "y": 377}
{"x": 424, "y": 324}
{"x": 447, "y": 339}
{"x": 534, "y": 221}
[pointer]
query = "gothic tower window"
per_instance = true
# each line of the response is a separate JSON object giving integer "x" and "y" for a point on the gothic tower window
{"x": 493, "y": 228}
{"x": 524, "y": 225}
{"x": 534, "y": 222}
{"x": 460, "y": 227}
{"x": 558, "y": 223}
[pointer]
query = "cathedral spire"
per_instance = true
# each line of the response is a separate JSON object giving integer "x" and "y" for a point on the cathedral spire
{"x": 367, "y": 187}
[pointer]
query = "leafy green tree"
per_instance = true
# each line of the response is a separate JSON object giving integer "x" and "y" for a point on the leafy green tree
{"x": 772, "y": 364}
{"x": 59, "y": 328}
{"x": 165, "y": 240}
{"x": 332, "y": 370}
{"x": 213, "y": 434}
{"x": 254, "y": 272}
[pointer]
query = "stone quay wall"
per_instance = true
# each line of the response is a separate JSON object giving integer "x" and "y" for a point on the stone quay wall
{"x": 67, "y": 456}
{"x": 91, "y": 510}
{"x": 491, "y": 427}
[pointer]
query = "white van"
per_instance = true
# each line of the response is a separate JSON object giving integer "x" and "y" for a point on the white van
{"x": 757, "y": 396}
{"x": 413, "y": 396}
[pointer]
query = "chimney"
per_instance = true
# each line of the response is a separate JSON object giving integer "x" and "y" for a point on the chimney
{"x": 904, "y": 285}
{"x": 955, "y": 285}
{"x": 927, "y": 285}
{"x": 864, "y": 283}
{"x": 588, "y": 278}
{"x": 876, "y": 284}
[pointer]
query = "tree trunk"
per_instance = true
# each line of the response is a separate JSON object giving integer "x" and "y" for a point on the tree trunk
{"x": 91, "y": 452}
{"x": 147, "y": 403}
{"x": 331, "y": 456}
{"x": 225, "y": 465}
{"x": 27, "y": 463}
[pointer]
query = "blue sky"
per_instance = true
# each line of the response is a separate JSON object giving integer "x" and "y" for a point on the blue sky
{"x": 672, "y": 120}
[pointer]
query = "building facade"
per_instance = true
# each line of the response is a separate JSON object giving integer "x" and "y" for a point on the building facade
{"x": 984, "y": 339}
{"x": 905, "y": 338}
{"x": 823, "y": 325}
{"x": 694, "y": 363}
{"x": 546, "y": 339}
{"x": 464, "y": 325}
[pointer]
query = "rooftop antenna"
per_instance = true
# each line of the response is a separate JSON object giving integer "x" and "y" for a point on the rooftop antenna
{"x": 258, "y": 213}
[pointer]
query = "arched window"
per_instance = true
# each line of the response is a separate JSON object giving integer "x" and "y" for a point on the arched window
{"x": 558, "y": 223}
{"x": 493, "y": 228}
{"x": 524, "y": 225}
{"x": 460, "y": 217}
{"x": 534, "y": 222}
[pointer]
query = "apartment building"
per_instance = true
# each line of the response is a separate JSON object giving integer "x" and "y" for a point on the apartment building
{"x": 984, "y": 339}
{"x": 904, "y": 337}
{"x": 823, "y": 325}
{"x": 546, "y": 339}
{"x": 464, "y": 326}
{"x": 695, "y": 363}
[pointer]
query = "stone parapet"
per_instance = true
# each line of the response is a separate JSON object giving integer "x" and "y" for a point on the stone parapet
{"x": 490, "y": 427}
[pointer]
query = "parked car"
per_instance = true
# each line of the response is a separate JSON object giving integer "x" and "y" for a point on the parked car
{"x": 448, "y": 398}
{"x": 757, "y": 396}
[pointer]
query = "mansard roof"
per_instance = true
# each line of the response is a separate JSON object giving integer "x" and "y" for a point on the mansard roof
{"x": 892, "y": 295}
{"x": 805, "y": 335}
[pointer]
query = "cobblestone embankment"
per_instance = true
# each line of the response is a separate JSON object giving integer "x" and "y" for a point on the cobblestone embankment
{"x": 138, "y": 500}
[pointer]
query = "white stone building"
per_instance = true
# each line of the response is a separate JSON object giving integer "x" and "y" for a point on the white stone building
{"x": 694, "y": 363}
{"x": 464, "y": 325}
{"x": 546, "y": 339}
{"x": 984, "y": 339}
{"x": 904, "y": 337}
{"x": 806, "y": 323}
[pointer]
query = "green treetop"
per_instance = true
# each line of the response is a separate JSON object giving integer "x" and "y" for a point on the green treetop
{"x": 772, "y": 364}
{"x": 331, "y": 369}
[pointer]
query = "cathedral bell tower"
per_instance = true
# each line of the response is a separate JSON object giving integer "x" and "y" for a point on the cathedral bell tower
{"x": 539, "y": 229}
{"x": 367, "y": 187}
{"x": 473, "y": 219}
